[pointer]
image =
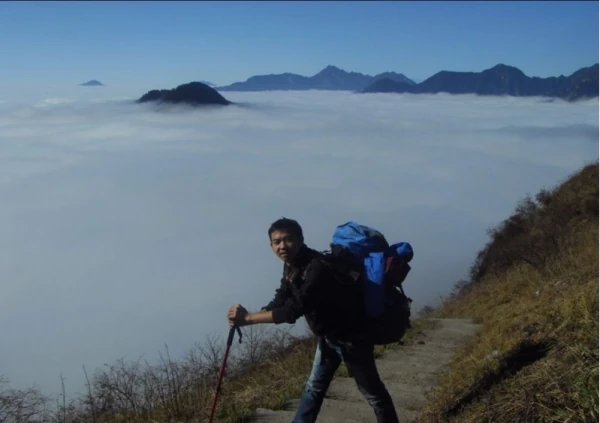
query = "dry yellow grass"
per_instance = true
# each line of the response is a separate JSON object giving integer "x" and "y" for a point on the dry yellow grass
{"x": 536, "y": 358}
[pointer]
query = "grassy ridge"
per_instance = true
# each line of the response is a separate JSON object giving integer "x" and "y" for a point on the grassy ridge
{"x": 536, "y": 358}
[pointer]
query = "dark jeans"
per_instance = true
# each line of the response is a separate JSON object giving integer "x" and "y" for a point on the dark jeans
{"x": 360, "y": 361}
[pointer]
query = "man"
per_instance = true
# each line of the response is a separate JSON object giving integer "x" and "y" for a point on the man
{"x": 334, "y": 314}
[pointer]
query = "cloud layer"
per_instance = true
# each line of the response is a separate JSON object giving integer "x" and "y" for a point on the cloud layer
{"x": 124, "y": 228}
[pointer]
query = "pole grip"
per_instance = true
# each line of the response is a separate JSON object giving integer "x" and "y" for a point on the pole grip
{"x": 232, "y": 331}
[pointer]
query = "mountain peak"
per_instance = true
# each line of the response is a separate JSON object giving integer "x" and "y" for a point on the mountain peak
{"x": 92, "y": 83}
{"x": 331, "y": 69}
{"x": 501, "y": 67}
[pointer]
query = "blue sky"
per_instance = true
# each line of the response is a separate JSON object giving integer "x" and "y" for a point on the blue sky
{"x": 167, "y": 43}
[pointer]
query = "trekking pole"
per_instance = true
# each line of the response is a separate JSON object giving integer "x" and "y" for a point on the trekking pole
{"x": 222, "y": 372}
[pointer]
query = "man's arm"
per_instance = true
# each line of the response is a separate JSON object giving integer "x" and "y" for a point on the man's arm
{"x": 287, "y": 313}
{"x": 309, "y": 296}
{"x": 258, "y": 317}
{"x": 280, "y": 297}
{"x": 290, "y": 310}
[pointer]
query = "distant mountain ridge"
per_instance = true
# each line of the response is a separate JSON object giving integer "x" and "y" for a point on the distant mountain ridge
{"x": 498, "y": 80}
{"x": 330, "y": 78}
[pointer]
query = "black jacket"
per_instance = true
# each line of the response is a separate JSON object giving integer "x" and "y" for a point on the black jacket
{"x": 310, "y": 289}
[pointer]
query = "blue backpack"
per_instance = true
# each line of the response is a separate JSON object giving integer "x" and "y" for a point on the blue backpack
{"x": 380, "y": 268}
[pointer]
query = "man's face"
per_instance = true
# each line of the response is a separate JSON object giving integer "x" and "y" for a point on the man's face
{"x": 285, "y": 245}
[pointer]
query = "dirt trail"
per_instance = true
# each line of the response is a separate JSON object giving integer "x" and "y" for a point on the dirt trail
{"x": 409, "y": 372}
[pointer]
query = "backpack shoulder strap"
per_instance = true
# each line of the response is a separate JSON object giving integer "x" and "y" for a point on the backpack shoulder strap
{"x": 345, "y": 275}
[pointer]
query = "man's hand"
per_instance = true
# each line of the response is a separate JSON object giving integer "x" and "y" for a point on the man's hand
{"x": 237, "y": 315}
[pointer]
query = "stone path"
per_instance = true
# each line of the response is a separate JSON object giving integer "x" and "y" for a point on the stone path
{"x": 409, "y": 372}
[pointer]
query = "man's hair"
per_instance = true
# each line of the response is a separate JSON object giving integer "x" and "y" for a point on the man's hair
{"x": 288, "y": 225}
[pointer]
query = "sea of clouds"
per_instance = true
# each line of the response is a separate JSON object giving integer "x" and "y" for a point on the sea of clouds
{"x": 125, "y": 226}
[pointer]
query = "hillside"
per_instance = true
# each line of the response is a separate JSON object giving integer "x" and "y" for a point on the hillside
{"x": 330, "y": 78}
{"x": 193, "y": 93}
{"x": 534, "y": 288}
{"x": 533, "y": 291}
{"x": 499, "y": 80}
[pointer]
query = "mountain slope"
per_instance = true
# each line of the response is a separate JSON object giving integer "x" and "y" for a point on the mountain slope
{"x": 534, "y": 288}
{"x": 583, "y": 83}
